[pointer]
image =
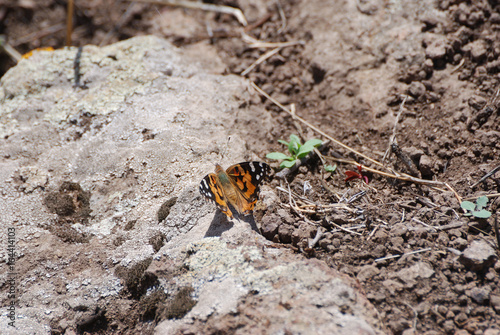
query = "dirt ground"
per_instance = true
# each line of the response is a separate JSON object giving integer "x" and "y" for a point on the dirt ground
{"x": 406, "y": 243}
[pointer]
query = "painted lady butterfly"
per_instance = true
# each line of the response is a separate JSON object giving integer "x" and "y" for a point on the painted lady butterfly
{"x": 238, "y": 186}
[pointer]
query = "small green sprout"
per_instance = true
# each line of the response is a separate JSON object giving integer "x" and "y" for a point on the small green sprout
{"x": 296, "y": 149}
{"x": 330, "y": 168}
{"x": 476, "y": 209}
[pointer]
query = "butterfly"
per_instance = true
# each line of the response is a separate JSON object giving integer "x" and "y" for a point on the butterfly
{"x": 238, "y": 186}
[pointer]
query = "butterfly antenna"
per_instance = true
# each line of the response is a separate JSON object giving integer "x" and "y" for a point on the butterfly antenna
{"x": 226, "y": 148}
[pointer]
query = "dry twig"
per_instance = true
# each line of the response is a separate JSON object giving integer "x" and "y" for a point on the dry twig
{"x": 392, "y": 139}
{"x": 69, "y": 22}
{"x": 496, "y": 231}
{"x": 9, "y": 50}
{"x": 405, "y": 254}
{"x": 255, "y": 43}
{"x": 390, "y": 174}
{"x": 319, "y": 234}
{"x": 236, "y": 12}
{"x": 260, "y": 60}
{"x": 486, "y": 176}
{"x": 494, "y": 195}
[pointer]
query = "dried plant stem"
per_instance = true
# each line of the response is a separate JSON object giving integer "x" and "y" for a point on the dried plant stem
{"x": 408, "y": 253}
{"x": 494, "y": 195}
{"x": 236, "y": 12}
{"x": 69, "y": 22}
{"x": 260, "y": 60}
{"x": 13, "y": 53}
{"x": 390, "y": 174}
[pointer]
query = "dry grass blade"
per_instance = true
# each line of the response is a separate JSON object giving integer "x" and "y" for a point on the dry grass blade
{"x": 486, "y": 176}
{"x": 282, "y": 16}
{"x": 494, "y": 195}
{"x": 236, "y": 12}
{"x": 319, "y": 234}
{"x": 16, "y": 56}
{"x": 121, "y": 22}
{"x": 394, "y": 129}
{"x": 255, "y": 43}
{"x": 392, "y": 174}
{"x": 344, "y": 229}
{"x": 408, "y": 253}
{"x": 39, "y": 34}
{"x": 69, "y": 22}
{"x": 260, "y": 60}
{"x": 496, "y": 232}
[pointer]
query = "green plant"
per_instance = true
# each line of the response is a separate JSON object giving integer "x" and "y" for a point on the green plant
{"x": 296, "y": 149}
{"x": 330, "y": 168}
{"x": 476, "y": 209}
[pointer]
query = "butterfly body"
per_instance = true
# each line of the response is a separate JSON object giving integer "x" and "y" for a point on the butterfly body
{"x": 237, "y": 186}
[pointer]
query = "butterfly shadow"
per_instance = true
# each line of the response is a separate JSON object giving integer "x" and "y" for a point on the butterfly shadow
{"x": 221, "y": 223}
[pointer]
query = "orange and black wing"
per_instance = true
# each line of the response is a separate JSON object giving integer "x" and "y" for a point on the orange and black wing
{"x": 247, "y": 177}
{"x": 212, "y": 190}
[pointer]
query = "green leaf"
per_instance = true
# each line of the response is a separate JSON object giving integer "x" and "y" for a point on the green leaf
{"x": 287, "y": 164}
{"x": 294, "y": 144}
{"x": 468, "y": 206}
{"x": 314, "y": 142}
{"x": 277, "y": 155}
{"x": 330, "y": 168}
{"x": 303, "y": 151}
{"x": 481, "y": 202}
{"x": 308, "y": 147}
{"x": 294, "y": 138}
{"x": 482, "y": 214}
{"x": 283, "y": 142}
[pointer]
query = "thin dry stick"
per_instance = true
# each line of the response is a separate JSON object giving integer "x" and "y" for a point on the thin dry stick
{"x": 423, "y": 224}
{"x": 373, "y": 232}
{"x": 69, "y": 22}
{"x": 260, "y": 60}
{"x": 313, "y": 127}
{"x": 440, "y": 228}
{"x": 494, "y": 195}
{"x": 255, "y": 43}
{"x": 462, "y": 62}
{"x": 123, "y": 20}
{"x": 415, "y": 314}
{"x": 282, "y": 16}
{"x": 16, "y": 56}
{"x": 236, "y": 12}
{"x": 392, "y": 139}
{"x": 393, "y": 174}
{"x": 486, "y": 176}
{"x": 401, "y": 176}
{"x": 408, "y": 253}
{"x": 344, "y": 229}
{"x": 496, "y": 232}
{"x": 38, "y": 34}
{"x": 313, "y": 242}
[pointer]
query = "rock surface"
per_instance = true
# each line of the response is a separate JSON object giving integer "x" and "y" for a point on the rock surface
{"x": 85, "y": 171}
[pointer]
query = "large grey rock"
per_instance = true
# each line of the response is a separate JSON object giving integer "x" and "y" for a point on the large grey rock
{"x": 147, "y": 128}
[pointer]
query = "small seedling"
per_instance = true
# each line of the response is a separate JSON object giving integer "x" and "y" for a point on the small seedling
{"x": 476, "y": 209}
{"x": 330, "y": 168}
{"x": 296, "y": 149}
{"x": 354, "y": 175}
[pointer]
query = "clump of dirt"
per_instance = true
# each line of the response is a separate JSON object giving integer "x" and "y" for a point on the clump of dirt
{"x": 177, "y": 306}
{"x": 69, "y": 200}
{"x": 72, "y": 205}
{"x": 136, "y": 280}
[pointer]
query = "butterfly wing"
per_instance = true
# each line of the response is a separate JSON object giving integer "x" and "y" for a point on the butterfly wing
{"x": 211, "y": 189}
{"x": 246, "y": 177}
